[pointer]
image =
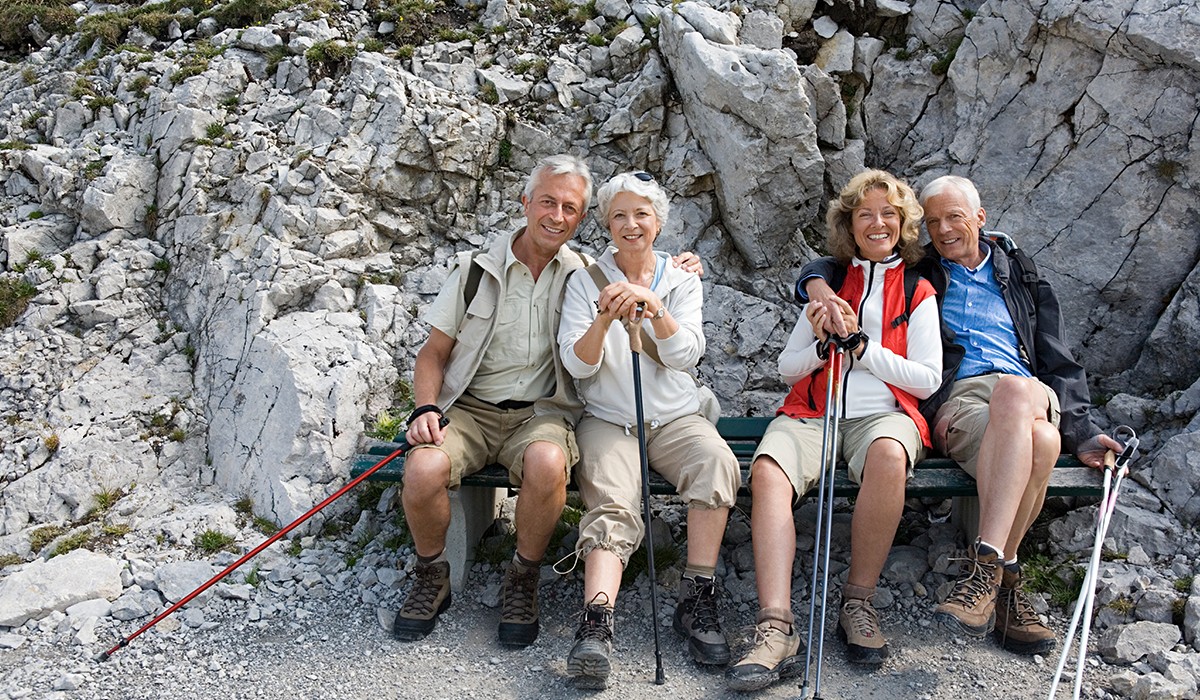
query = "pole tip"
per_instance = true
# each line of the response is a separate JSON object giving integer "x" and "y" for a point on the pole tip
{"x": 660, "y": 678}
{"x": 103, "y": 656}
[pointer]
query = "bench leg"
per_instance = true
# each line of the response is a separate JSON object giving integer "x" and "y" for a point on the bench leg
{"x": 964, "y": 513}
{"x": 472, "y": 511}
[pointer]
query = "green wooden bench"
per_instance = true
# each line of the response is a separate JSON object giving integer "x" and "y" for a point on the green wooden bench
{"x": 474, "y": 509}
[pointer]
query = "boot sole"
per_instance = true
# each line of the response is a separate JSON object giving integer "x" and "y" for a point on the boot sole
{"x": 790, "y": 667}
{"x": 407, "y": 629}
{"x": 951, "y": 623}
{"x": 865, "y": 656}
{"x": 518, "y": 634}
{"x": 1041, "y": 646}
{"x": 589, "y": 672}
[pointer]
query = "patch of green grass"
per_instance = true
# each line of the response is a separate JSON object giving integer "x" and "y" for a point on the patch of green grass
{"x": 94, "y": 168}
{"x": 369, "y": 494}
{"x": 106, "y": 498}
{"x": 253, "y": 578}
{"x": 497, "y": 549}
{"x": 504, "y": 153}
{"x": 1053, "y": 579}
{"x": 178, "y": 435}
{"x": 115, "y": 530}
{"x": 14, "y": 146}
{"x": 15, "y": 294}
{"x": 54, "y": 16}
{"x": 244, "y": 506}
{"x": 665, "y": 556}
{"x": 215, "y": 130}
{"x": 31, "y": 121}
{"x": 28, "y": 76}
{"x": 1122, "y": 606}
{"x": 489, "y": 94}
{"x": 942, "y": 64}
{"x": 76, "y": 541}
{"x": 44, "y": 535}
{"x": 373, "y": 45}
{"x": 1183, "y": 584}
{"x": 212, "y": 541}
{"x": 162, "y": 265}
{"x": 34, "y": 215}
{"x": 265, "y": 525}
{"x": 246, "y": 13}
{"x": 51, "y": 442}
{"x": 388, "y": 424}
{"x": 10, "y": 559}
{"x": 295, "y": 548}
{"x": 329, "y": 56}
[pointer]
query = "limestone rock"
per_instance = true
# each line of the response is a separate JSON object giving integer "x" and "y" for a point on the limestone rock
{"x": 1126, "y": 644}
{"x": 56, "y": 584}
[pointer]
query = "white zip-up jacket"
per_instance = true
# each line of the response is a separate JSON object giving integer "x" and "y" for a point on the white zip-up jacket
{"x": 668, "y": 392}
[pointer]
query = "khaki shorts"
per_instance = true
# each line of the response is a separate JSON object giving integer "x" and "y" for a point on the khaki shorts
{"x": 688, "y": 452}
{"x": 795, "y": 443}
{"x": 480, "y": 434}
{"x": 960, "y": 422}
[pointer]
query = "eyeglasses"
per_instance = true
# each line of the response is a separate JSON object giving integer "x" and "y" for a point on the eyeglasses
{"x": 644, "y": 176}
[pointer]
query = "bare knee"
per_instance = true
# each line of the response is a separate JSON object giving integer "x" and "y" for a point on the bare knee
{"x": 767, "y": 478}
{"x": 426, "y": 472}
{"x": 1018, "y": 397}
{"x": 1047, "y": 442}
{"x": 887, "y": 461}
{"x": 544, "y": 467}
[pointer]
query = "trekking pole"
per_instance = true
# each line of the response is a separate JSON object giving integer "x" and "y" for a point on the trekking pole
{"x": 823, "y": 539}
{"x": 1114, "y": 466}
{"x": 104, "y": 656}
{"x": 635, "y": 345}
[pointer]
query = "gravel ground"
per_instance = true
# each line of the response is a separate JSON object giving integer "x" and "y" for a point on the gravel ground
{"x": 337, "y": 647}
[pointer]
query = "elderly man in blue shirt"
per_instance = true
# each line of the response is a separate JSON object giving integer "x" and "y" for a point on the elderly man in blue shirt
{"x": 1012, "y": 397}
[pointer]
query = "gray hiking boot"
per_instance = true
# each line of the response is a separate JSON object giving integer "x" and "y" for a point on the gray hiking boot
{"x": 588, "y": 664}
{"x": 519, "y": 611}
{"x": 428, "y": 598}
{"x": 697, "y": 620}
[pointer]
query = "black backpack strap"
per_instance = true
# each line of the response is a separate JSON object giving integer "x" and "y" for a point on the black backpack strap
{"x": 474, "y": 274}
{"x": 1029, "y": 273}
{"x": 911, "y": 279}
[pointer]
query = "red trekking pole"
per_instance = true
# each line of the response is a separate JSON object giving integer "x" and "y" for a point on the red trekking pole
{"x": 252, "y": 553}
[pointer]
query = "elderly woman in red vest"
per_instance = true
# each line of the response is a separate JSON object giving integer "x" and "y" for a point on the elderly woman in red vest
{"x": 895, "y": 360}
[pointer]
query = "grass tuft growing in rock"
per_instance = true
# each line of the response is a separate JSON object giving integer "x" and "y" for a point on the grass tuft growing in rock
{"x": 69, "y": 544}
{"x": 212, "y": 541}
{"x": 54, "y": 16}
{"x": 15, "y": 294}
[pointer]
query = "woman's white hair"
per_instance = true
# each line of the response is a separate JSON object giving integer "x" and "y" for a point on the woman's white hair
{"x": 630, "y": 182}
{"x": 561, "y": 164}
{"x": 964, "y": 187}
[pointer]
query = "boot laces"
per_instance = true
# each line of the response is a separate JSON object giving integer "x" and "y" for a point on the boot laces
{"x": 863, "y": 617}
{"x": 520, "y": 592}
{"x": 705, "y": 615}
{"x": 1020, "y": 610}
{"x": 596, "y": 621}
{"x": 975, "y": 585}
{"x": 425, "y": 589}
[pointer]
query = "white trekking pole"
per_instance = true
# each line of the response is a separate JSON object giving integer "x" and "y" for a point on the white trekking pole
{"x": 1115, "y": 469}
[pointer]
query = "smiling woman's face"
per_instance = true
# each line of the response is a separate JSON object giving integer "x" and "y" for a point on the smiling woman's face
{"x": 875, "y": 223}
{"x": 632, "y": 223}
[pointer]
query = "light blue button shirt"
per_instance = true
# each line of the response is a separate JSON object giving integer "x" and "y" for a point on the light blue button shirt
{"x": 974, "y": 309}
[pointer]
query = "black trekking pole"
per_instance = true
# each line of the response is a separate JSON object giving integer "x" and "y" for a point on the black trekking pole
{"x": 104, "y": 656}
{"x": 635, "y": 345}
{"x": 823, "y": 538}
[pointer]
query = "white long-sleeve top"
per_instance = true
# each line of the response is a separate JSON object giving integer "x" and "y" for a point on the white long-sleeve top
{"x": 865, "y": 380}
{"x": 668, "y": 392}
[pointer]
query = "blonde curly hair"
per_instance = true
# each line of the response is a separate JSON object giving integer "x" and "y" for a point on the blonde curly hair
{"x": 839, "y": 235}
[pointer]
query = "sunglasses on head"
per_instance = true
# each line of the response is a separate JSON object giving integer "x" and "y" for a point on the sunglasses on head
{"x": 644, "y": 176}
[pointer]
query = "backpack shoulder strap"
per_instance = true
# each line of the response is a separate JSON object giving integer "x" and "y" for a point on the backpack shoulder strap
{"x": 911, "y": 279}
{"x": 474, "y": 274}
{"x": 648, "y": 346}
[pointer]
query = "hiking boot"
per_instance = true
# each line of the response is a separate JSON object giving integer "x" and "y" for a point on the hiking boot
{"x": 1018, "y": 627}
{"x": 588, "y": 663}
{"x": 970, "y": 609}
{"x": 428, "y": 598}
{"x": 858, "y": 627}
{"x": 519, "y": 610}
{"x": 697, "y": 620}
{"x": 775, "y": 656}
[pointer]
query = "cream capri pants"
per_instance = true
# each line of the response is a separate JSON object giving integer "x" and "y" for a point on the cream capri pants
{"x": 688, "y": 452}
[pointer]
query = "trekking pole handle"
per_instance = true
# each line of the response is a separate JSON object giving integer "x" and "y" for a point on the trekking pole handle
{"x": 634, "y": 327}
{"x": 1126, "y": 436}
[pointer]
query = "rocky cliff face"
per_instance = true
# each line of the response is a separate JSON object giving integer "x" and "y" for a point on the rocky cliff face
{"x": 225, "y": 223}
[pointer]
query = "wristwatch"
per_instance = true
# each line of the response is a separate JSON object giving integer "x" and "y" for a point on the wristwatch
{"x": 662, "y": 311}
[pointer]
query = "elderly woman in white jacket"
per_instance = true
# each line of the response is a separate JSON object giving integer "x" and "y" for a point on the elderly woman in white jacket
{"x": 681, "y": 443}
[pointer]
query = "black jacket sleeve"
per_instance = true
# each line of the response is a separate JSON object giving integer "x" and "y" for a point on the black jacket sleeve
{"x": 827, "y": 268}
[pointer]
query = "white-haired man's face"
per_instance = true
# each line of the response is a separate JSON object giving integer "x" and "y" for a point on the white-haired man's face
{"x": 954, "y": 227}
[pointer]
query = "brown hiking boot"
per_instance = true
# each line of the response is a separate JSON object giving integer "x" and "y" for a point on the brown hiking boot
{"x": 428, "y": 598}
{"x": 588, "y": 664}
{"x": 519, "y": 611}
{"x": 697, "y": 620}
{"x": 1018, "y": 627}
{"x": 775, "y": 656}
{"x": 970, "y": 608}
{"x": 858, "y": 626}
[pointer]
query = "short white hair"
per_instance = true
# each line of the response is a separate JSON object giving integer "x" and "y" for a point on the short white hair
{"x": 561, "y": 164}
{"x": 964, "y": 187}
{"x": 634, "y": 183}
